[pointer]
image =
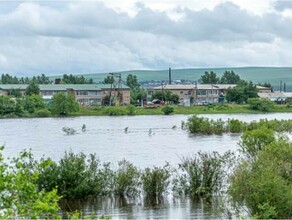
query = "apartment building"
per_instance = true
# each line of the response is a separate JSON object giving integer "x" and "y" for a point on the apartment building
{"x": 85, "y": 94}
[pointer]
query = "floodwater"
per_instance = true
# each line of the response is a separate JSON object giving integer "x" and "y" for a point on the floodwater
{"x": 149, "y": 141}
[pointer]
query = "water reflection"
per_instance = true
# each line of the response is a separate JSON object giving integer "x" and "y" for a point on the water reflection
{"x": 141, "y": 208}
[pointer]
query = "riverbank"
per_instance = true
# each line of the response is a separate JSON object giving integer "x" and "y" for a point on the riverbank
{"x": 178, "y": 110}
{"x": 210, "y": 109}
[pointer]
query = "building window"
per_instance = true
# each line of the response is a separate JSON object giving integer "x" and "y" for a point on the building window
{"x": 181, "y": 92}
{"x": 82, "y": 93}
{"x": 189, "y": 92}
{"x": 202, "y": 92}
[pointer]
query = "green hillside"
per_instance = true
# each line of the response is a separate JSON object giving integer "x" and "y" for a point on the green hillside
{"x": 272, "y": 75}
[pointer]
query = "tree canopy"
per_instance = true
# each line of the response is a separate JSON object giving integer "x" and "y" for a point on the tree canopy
{"x": 229, "y": 77}
{"x": 242, "y": 92}
{"x": 63, "y": 104}
{"x": 209, "y": 78}
{"x": 32, "y": 89}
{"x": 71, "y": 79}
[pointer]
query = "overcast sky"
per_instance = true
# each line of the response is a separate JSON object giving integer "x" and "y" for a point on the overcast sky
{"x": 56, "y": 37}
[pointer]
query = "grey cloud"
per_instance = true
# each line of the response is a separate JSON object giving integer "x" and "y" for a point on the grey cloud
{"x": 227, "y": 22}
{"x": 85, "y": 38}
{"x": 281, "y": 5}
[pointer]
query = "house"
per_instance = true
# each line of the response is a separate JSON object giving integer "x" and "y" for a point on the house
{"x": 85, "y": 94}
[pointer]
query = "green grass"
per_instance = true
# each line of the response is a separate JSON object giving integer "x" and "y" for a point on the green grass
{"x": 211, "y": 109}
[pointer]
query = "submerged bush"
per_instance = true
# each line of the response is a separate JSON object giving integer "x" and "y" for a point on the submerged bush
{"x": 199, "y": 125}
{"x": 235, "y": 126}
{"x": 202, "y": 174}
{"x": 155, "y": 181}
{"x": 126, "y": 181}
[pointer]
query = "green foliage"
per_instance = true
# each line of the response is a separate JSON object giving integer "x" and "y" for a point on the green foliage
{"x": 229, "y": 77}
{"x": 71, "y": 79}
{"x": 131, "y": 109}
{"x": 7, "y": 105}
{"x": 20, "y": 197}
{"x": 33, "y": 103}
{"x": 166, "y": 95}
{"x": 264, "y": 105}
{"x": 198, "y": 125}
{"x": 252, "y": 142}
{"x": 167, "y": 110}
{"x": 126, "y": 180}
{"x": 155, "y": 181}
{"x": 209, "y": 78}
{"x": 63, "y": 104}
{"x": 7, "y": 79}
{"x": 235, "y": 126}
{"x": 32, "y": 89}
{"x": 132, "y": 82}
{"x": 241, "y": 92}
{"x": 115, "y": 111}
{"x": 43, "y": 113}
{"x": 202, "y": 175}
{"x": 265, "y": 183}
{"x": 15, "y": 93}
{"x": 108, "y": 80}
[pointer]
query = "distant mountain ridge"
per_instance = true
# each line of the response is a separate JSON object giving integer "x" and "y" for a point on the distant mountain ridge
{"x": 273, "y": 75}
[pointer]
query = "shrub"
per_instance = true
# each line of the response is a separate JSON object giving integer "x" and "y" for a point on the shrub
{"x": 20, "y": 196}
{"x": 265, "y": 183}
{"x": 167, "y": 110}
{"x": 252, "y": 142}
{"x": 155, "y": 181}
{"x": 131, "y": 110}
{"x": 201, "y": 175}
{"x": 126, "y": 181}
{"x": 43, "y": 113}
{"x": 235, "y": 126}
{"x": 115, "y": 111}
{"x": 264, "y": 105}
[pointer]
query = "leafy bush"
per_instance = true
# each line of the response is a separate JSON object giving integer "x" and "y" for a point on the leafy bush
{"x": 126, "y": 181}
{"x": 167, "y": 110}
{"x": 235, "y": 126}
{"x": 198, "y": 125}
{"x": 265, "y": 183}
{"x": 43, "y": 113}
{"x": 252, "y": 142}
{"x": 264, "y": 105}
{"x": 155, "y": 181}
{"x": 115, "y": 111}
{"x": 201, "y": 175}
{"x": 19, "y": 194}
{"x": 131, "y": 110}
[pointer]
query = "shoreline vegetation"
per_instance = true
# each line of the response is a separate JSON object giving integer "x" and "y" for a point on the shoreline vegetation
{"x": 131, "y": 110}
{"x": 257, "y": 176}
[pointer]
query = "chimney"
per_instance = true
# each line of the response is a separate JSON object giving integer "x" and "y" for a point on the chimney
{"x": 58, "y": 81}
{"x": 169, "y": 76}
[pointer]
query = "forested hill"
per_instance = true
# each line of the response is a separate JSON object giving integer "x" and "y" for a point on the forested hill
{"x": 256, "y": 74}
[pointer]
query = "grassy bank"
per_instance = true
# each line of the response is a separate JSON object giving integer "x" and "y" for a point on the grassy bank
{"x": 210, "y": 109}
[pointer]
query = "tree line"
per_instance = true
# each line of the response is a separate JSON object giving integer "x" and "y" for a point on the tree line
{"x": 43, "y": 79}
